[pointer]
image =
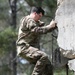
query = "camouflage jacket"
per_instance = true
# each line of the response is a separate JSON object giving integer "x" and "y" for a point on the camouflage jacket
{"x": 30, "y": 30}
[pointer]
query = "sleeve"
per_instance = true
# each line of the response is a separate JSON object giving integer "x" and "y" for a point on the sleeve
{"x": 34, "y": 28}
{"x": 27, "y": 24}
{"x": 42, "y": 30}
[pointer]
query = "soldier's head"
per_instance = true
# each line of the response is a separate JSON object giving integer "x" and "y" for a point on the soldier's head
{"x": 37, "y": 13}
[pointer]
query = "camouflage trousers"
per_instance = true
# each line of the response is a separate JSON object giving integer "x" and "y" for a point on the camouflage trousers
{"x": 39, "y": 58}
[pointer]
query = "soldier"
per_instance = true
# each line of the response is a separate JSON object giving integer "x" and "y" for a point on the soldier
{"x": 27, "y": 44}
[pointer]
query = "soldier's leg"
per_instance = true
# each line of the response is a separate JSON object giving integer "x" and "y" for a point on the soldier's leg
{"x": 36, "y": 56}
{"x": 40, "y": 64}
{"x": 43, "y": 66}
{"x": 48, "y": 69}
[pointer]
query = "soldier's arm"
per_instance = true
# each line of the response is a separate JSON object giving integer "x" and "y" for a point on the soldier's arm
{"x": 31, "y": 25}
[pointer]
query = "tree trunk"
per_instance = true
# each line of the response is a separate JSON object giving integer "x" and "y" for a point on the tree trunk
{"x": 13, "y": 15}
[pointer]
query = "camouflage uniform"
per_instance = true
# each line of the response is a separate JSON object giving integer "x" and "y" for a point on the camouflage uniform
{"x": 27, "y": 45}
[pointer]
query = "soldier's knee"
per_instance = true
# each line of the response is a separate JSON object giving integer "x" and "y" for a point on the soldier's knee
{"x": 44, "y": 57}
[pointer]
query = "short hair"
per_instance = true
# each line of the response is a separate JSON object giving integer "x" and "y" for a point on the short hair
{"x": 38, "y": 10}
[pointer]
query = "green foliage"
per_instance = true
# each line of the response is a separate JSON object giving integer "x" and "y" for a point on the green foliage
{"x": 62, "y": 71}
{"x": 3, "y": 9}
{"x": 7, "y": 37}
{"x": 50, "y": 7}
{"x": 4, "y": 69}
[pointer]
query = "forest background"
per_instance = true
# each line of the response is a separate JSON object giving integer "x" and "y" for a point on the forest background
{"x": 11, "y": 11}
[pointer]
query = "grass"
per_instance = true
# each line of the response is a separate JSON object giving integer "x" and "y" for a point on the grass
{"x": 62, "y": 71}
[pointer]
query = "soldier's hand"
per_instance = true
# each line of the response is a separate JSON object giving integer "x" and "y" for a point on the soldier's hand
{"x": 41, "y": 23}
{"x": 52, "y": 24}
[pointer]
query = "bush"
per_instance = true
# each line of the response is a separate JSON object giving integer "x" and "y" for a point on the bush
{"x": 7, "y": 37}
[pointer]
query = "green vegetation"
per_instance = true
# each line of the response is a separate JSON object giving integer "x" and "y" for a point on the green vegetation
{"x": 62, "y": 71}
{"x": 8, "y": 35}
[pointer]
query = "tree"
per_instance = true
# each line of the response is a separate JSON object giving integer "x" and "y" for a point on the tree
{"x": 13, "y": 15}
{"x": 23, "y": 8}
